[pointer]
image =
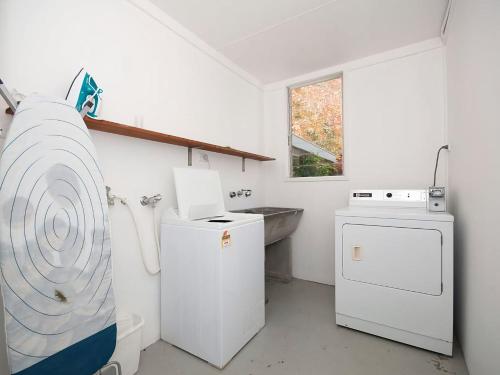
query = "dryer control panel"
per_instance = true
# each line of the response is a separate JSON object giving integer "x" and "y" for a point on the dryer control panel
{"x": 388, "y": 198}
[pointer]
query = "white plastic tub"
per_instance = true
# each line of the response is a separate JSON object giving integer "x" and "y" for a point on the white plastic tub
{"x": 128, "y": 342}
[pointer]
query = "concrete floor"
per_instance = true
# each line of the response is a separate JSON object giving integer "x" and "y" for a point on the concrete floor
{"x": 301, "y": 338}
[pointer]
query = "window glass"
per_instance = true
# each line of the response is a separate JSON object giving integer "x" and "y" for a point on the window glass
{"x": 316, "y": 131}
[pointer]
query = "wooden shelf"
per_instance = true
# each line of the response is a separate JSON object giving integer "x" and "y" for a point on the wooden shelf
{"x": 132, "y": 131}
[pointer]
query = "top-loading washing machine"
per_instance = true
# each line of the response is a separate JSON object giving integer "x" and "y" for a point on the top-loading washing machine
{"x": 212, "y": 271}
{"x": 394, "y": 268}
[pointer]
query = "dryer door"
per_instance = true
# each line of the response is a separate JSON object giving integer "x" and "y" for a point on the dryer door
{"x": 395, "y": 257}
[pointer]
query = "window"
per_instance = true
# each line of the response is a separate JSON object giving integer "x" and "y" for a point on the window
{"x": 316, "y": 130}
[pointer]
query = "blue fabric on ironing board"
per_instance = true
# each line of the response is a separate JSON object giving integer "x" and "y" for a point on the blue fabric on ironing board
{"x": 55, "y": 248}
{"x": 93, "y": 353}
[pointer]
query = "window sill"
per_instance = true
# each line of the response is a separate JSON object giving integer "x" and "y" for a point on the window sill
{"x": 316, "y": 179}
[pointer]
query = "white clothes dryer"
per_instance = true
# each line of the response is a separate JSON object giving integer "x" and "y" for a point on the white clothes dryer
{"x": 394, "y": 268}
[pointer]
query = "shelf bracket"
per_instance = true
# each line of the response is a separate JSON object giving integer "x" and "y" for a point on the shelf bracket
{"x": 243, "y": 164}
{"x": 190, "y": 156}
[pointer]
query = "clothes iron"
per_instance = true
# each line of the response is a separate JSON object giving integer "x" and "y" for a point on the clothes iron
{"x": 85, "y": 94}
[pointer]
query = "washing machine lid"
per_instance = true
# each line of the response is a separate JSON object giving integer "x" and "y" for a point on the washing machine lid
{"x": 224, "y": 221}
{"x": 199, "y": 193}
{"x": 406, "y": 213}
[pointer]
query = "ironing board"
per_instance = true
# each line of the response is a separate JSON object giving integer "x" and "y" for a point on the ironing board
{"x": 55, "y": 253}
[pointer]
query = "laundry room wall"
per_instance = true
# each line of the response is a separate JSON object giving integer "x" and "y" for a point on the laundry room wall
{"x": 155, "y": 74}
{"x": 473, "y": 61}
{"x": 394, "y": 119}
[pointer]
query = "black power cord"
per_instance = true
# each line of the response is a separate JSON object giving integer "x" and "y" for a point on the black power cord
{"x": 445, "y": 147}
{"x": 72, "y": 83}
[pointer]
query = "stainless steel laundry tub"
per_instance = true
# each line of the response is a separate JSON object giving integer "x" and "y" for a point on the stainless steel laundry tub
{"x": 279, "y": 222}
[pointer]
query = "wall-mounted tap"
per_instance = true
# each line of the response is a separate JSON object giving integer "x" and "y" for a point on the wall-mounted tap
{"x": 240, "y": 193}
{"x": 151, "y": 201}
{"x": 112, "y": 197}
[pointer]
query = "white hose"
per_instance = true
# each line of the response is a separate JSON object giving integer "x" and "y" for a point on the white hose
{"x": 157, "y": 270}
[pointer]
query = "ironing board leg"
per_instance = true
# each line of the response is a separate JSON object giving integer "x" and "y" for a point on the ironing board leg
{"x": 110, "y": 364}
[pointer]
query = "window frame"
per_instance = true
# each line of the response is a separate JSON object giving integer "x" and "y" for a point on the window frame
{"x": 289, "y": 170}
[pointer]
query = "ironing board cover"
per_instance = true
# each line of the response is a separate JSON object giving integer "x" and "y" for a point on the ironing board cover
{"x": 55, "y": 254}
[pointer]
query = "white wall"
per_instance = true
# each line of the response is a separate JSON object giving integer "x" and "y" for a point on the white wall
{"x": 394, "y": 116}
{"x": 146, "y": 70}
{"x": 473, "y": 64}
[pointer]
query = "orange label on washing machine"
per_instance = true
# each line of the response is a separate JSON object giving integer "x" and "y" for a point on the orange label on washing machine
{"x": 226, "y": 239}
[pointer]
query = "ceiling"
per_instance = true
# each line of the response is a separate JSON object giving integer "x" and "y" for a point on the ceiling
{"x": 279, "y": 39}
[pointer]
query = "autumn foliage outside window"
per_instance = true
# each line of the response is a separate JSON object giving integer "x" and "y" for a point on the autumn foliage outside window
{"x": 316, "y": 131}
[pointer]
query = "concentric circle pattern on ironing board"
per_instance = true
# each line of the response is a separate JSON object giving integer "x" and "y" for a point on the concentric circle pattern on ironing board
{"x": 55, "y": 255}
